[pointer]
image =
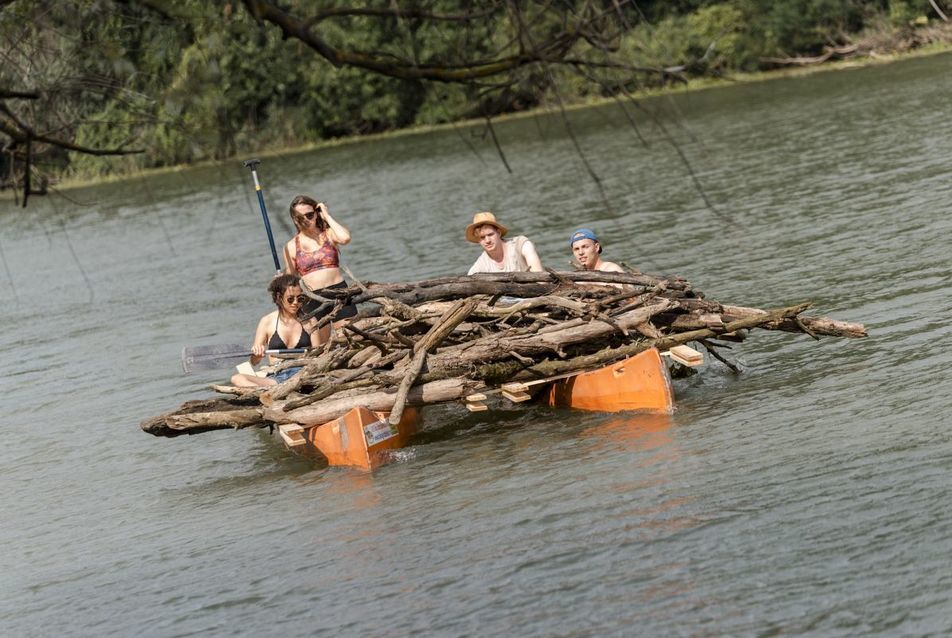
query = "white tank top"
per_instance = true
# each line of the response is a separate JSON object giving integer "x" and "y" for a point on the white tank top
{"x": 512, "y": 259}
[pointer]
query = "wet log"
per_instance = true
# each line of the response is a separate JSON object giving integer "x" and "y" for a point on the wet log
{"x": 607, "y": 356}
{"x": 510, "y": 284}
{"x": 334, "y": 407}
{"x": 702, "y": 312}
{"x": 452, "y": 318}
{"x": 215, "y": 416}
{"x": 818, "y": 325}
{"x": 458, "y": 359}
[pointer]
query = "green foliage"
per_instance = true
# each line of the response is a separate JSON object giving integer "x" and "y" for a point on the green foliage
{"x": 710, "y": 39}
{"x": 797, "y": 27}
{"x": 207, "y": 81}
{"x": 905, "y": 13}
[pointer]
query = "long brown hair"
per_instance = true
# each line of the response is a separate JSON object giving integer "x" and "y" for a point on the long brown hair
{"x": 310, "y": 201}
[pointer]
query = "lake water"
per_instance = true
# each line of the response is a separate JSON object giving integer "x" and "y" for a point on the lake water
{"x": 808, "y": 495}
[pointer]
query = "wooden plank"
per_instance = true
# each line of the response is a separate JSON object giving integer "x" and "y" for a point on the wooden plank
{"x": 475, "y": 397}
{"x": 515, "y": 387}
{"x": 686, "y": 355}
{"x": 292, "y": 434}
{"x": 687, "y": 352}
{"x": 476, "y": 406}
{"x": 245, "y": 367}
{"x": 517, "y": 397}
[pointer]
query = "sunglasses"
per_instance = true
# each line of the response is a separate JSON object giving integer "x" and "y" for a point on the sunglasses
{"x": 299, "y": 299}
{"x": 308, "y": 216}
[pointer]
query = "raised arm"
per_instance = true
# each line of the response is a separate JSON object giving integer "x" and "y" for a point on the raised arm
{"x": 337, "y": 232}
{"x": 531, "y": 256}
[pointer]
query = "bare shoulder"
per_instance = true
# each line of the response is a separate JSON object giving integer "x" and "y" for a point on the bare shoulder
{"x": 610, "y": 266}
{"x": 268, "y": 320}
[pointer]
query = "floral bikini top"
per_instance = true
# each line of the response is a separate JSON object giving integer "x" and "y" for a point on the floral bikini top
{"x": 324, "y": 257}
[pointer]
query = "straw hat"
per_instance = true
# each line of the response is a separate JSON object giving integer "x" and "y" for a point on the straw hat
{"x": 480, "y": 219}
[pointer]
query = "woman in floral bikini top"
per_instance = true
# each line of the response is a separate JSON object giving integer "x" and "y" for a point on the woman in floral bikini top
{"x": 313, "y": 255}
{"x": 324, "y": 257}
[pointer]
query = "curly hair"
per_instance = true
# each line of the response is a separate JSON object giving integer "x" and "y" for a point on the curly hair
{"x": 279, "y": 286}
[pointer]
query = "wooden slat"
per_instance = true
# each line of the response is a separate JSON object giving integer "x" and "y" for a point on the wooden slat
{"x": 515, "y": 387}
{"x": 517, "y": 397}
{"x": 686, "y": 355}
{"x": 292, "y": 434}
{"x": 476, "y": 406}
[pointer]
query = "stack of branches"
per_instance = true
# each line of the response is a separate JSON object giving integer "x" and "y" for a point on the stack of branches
{"x": 443, "y": 339}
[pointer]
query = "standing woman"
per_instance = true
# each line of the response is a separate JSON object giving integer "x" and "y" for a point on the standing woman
{"x": 277, "y": 330}
{"x": 312, "y": 255}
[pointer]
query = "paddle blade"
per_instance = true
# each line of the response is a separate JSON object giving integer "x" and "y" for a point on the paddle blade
{"x": 213, "y": 357}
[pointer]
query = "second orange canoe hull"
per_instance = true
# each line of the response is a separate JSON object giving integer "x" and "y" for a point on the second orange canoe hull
{"x": 638, "y": 383}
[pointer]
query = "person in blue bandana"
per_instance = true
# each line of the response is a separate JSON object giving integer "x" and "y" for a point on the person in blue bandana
{"x": 588, "y": 252}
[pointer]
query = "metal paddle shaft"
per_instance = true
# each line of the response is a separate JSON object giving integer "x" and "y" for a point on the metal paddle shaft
{"x": 223, "y": 356}
{"x": 253, "y": 165}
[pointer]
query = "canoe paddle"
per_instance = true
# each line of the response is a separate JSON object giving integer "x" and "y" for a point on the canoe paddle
{"x": 253, "y": 165}
{"x": 222, "y": 356}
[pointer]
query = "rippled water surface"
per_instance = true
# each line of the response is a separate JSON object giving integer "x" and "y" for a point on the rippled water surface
{"x": 808, "y": 495}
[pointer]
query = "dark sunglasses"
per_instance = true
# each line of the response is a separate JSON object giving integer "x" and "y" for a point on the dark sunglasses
{"x": 309, "y": 216}
{"x": 298, "y": 299}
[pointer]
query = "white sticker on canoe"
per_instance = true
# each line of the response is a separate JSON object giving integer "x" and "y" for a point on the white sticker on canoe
{"x": 379, "y": 431}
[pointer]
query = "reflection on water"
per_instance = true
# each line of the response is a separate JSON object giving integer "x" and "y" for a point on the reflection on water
{"x": 633, "y": 432}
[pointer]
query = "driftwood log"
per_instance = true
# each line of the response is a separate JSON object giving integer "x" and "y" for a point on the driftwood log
{"x": 442, "y": 339}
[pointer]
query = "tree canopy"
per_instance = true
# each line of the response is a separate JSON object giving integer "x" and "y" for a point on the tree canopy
{"x": 91, "y": 87}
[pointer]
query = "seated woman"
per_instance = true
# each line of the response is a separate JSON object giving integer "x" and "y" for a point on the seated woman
{"x": 312, "y": 255}
{"x": 277, "y": 330}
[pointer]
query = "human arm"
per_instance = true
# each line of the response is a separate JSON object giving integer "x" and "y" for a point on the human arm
{"x": 260, "y": 343}
{"x": 531, "y": 256}
{"x": 289, "y": 267}
{"x": 336, "y": 231}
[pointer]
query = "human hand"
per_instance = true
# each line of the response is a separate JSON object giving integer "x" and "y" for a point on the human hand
{"x": 257, "y": 350}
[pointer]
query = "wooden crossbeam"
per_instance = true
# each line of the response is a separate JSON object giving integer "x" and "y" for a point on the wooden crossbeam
{"x": 517, "y": 397}
{"x": 292, "y": 434}
{"x": 686, "y": 355}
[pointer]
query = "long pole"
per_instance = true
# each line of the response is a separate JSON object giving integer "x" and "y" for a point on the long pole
{"x": 253, "y": 165}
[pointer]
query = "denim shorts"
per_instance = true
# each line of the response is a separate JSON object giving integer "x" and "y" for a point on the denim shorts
{"x": 283, "y": 375}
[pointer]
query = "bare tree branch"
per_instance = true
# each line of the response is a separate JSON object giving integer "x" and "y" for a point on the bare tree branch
{"x": 552, "y": 50}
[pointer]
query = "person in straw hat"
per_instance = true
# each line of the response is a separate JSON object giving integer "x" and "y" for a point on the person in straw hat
{"x": 588, "y": 252}
{"x": 514, "y": 255}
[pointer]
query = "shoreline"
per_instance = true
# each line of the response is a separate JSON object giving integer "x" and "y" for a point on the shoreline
{"x": 694, "y": 85}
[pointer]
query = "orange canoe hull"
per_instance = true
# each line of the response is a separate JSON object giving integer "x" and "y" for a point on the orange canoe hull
{"x": 360, "y": 437}
{"x": 638, "y": 383}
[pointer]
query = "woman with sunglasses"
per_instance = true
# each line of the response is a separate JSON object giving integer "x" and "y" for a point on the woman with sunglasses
{"x": 277, "y": 330}
{"x": 312, "y": 255}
